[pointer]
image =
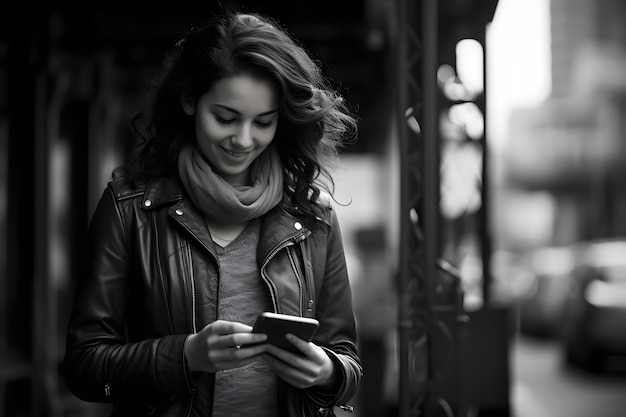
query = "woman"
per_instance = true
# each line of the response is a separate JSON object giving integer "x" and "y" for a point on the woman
{"x": 223, "y": 215}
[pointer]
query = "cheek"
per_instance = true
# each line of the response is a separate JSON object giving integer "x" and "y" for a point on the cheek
{"x": 207, "y": 128}
{"x": 267, "y": 136}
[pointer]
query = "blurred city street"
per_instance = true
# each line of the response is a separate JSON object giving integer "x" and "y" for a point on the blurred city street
{"x": 542, "y": 386}
{"x": 481, "y": 208}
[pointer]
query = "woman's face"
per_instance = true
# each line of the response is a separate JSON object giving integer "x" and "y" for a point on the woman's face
{"x": 235, "y": 121}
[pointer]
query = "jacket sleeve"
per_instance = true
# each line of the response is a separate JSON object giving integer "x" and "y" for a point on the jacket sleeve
{"x": 337, "y": 331}
{"x": 100, "y": 364}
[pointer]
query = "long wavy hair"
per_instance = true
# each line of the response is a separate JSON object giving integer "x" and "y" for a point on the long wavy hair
{"x": 314, "y": 120}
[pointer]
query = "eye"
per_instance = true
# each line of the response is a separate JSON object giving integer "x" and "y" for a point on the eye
{"x": 224, "y": 120}
{"x": 265, "y": 123}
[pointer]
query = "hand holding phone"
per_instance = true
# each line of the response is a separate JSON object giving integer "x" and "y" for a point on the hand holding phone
{"x": 314, "y": 366}
{"x": 276, "y": 326}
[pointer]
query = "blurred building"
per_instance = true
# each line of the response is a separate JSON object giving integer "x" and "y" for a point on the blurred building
{"x": 571, "y": 149}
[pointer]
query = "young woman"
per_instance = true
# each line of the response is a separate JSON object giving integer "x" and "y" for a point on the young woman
{"x": 224, "y": 213}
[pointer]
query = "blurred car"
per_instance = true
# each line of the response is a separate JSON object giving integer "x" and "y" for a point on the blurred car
{"x": 541, "y": 308}
{"x": 594, "y": 320}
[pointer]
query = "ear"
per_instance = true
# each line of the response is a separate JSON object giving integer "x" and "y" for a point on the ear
{"x": 188, "y": 105}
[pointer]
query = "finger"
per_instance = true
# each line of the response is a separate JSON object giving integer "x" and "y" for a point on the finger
{"x": 245, "y": 339}
{"x": 282, "y": 354}
{"x": 234, "y": 357}
{"x": 291, "y": 375}
{"x": 241, "y": 355}
{"x": 247, "y": 351}
{"x": 281, "y": 367}
{"x": 295, "y": 360}
{"x": 307, "y": 348}
{"x": 244, "y": 362}
{"x": 223, "y": 327}
{"x": 235, "y": 340}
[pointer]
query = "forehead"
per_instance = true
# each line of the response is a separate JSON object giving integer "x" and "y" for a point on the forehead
{"x": 244, "y": 94}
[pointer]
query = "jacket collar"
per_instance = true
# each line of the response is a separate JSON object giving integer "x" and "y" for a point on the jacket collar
{"x": 169, "y": 192}
{"x": 162, "y": 191}
{"x": 277, "y": 229}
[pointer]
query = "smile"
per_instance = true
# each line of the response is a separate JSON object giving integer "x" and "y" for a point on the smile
{"x": 235, "y": 154}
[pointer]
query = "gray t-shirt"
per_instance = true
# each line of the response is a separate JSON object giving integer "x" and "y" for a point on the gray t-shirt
{"x": 250, "y": 390}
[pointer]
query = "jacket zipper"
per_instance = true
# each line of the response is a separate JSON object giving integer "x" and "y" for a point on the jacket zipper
{"x": 194, "y": 329}
{"x": 193, "y": 292}
{"x": 193, "y": 303}
{"x": 194, "y": 324}
{"x": 283, "y": 244}
{"x": 157, "y": 237}
{"x": 299, "y": 278}
{"x": 308, "y": 277}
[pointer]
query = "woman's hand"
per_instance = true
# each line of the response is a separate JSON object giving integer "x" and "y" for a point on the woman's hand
{"x": 223, "y": 345}
{"x": 311, "y": 368}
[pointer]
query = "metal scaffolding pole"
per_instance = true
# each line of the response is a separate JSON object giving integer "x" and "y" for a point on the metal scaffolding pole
{"x": 432, "y": 324}
{"x": 419, "y": 197}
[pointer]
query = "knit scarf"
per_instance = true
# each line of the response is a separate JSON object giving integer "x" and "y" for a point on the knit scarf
{"x": 224, "y": 203}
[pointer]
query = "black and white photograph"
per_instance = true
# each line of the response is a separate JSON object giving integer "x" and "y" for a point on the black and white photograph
{"x": 349, "y": 208}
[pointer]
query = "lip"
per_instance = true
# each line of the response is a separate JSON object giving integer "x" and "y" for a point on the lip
{"x": 235, "y": 154}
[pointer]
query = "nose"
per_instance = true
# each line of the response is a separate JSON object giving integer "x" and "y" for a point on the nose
{"x": 243, "y": 137}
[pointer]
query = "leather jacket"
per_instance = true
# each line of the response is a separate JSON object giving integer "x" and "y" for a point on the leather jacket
{"x": 151, "y": 279}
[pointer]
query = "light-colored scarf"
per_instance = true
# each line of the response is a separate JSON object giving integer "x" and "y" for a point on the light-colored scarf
{"x": 224, "y": 203}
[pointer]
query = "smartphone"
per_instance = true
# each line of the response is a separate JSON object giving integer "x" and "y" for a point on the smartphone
{"x": 276, "y": 326}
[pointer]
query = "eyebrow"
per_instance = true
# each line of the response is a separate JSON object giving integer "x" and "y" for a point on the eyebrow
{"x": 230, "y": 109}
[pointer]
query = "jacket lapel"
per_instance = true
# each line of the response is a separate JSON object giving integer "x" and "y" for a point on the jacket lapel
{"x": 169, "y": 192}
{"x": 191, "y": 219}
{"x": 278, "y": 227}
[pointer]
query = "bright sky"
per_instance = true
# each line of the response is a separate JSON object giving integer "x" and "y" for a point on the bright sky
{"x": 518, "y": 62}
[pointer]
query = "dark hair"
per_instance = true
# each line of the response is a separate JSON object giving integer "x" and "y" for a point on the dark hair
{"x": 314, "y": 120}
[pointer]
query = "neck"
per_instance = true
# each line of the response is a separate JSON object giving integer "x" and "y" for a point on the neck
{"x": 223, "y": 234}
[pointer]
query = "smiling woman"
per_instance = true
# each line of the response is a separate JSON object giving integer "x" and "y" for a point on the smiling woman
{"x": 223, "y": 213}
{"x": 235, "y": 122}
